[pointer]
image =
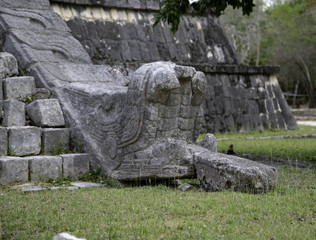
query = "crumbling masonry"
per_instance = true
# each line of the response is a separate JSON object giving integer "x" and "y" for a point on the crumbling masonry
{"x": 139, "y": 119}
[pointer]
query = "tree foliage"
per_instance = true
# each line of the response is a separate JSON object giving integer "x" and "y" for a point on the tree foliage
{"x": 290, "y": 41}
{"x": 172, "y": 10}
{"x": 283, "y": 34}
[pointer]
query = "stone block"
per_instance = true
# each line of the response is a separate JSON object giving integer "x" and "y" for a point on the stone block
{"x": 1, "y": 103}
{"x": 8, "y": 65}
{"x": 13, "y": 170}
{"x": 55, "y": 140}
{"x": 66, "y": 236}
{"x": 46, "y": 113}
{"x": 23, "y": 141}
{"x": 218, "y": 171}
{"x": 41, "y": 93}
{"x": 1, "y": 91}
{"x": 3, "y": 141}
{"x": 75, "y": 165}
{"x": 14, "y": 113}
{"x": 209, "y": 142}
{"x": 43, "y": 168}
{"x": 18, "y": 87}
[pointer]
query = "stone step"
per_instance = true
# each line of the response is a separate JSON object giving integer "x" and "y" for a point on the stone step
{"x": 30, "y": 140}
{"x": 42, "y": 112}
{"x": 42, "y": 168}
{"x": 305, "y": 118}
{"x": 46, "y": 113}
{"x": 18, "y": 87}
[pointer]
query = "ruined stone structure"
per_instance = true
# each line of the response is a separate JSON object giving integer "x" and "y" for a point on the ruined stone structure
{"x": 120, "y": 33}
{"x": 140, "y": 123}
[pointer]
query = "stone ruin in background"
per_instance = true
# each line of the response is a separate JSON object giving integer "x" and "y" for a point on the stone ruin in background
{"x": 140, "y": 119}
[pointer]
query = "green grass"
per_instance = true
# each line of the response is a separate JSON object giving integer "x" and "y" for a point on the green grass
{"x": 295, "y": 149}
{"x": 288, "y": 212}
{"x": 303, "y": 129}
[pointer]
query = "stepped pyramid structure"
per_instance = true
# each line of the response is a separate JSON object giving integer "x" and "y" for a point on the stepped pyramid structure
{"x": 34, "y": 142}
{"x": 138, "y": 119}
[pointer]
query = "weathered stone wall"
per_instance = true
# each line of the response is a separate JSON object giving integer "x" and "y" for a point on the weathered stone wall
{"x": 123, "y": 33}
{"x": 240, "y": 98}
{"x": 136, "y": 127}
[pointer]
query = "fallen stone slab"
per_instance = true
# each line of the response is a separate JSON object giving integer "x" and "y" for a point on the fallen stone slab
{"x": 14, "y": 113}
{"x": 32, "y": 188}
{"x": 75, "y": 165}
{"x": 18, "y": 87}
{"x": 13, "y": 170}
{"x": 35, "y": 188}
{"x": 8, "y": 65}
{"x": 86, "y": 184}
{"x": 23, "y": 141}
{"x": 3, "y": 141}
{"x": 43, "y": 168}
{"x": 66, "y": 236}
{"x": 46, "y": 113}
{"x": 55, "y": 141}
{"x": 63, "y": 188}
{"x": 218, "y": 171}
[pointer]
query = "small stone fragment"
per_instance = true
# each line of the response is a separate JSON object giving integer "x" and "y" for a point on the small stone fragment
{"x": 209, "y": 142}
{"x": 86, "y": 184}
{"x": 41, "y": 93}
{"x": 46, "y": 113}
{"x": 185, "y": 187}
{"x": 66, "y": 236}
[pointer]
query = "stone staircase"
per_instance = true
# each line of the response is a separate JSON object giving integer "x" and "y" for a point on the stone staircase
{"x": 34, "y": 142}
{"x": 304, "y": 114}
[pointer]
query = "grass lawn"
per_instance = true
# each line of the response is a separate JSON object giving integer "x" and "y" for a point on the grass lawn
{"x": 303, "y": 129}
{"x": 160, "y": 212}
{"x": 288, "y": 212}
{"x": 295, "y": 149}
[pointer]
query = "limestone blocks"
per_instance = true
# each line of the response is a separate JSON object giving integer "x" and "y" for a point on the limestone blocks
{"x": 55, "y": 140}
{"x": 18, "y": 87}
{"x": 46, "y": 113}
{"x": 14, "y": 113}
{"x": 13, "y": 170}
{"x": 43, "y": 168}
{"x": 23, "y": 141}
{"x": 75, "y": 165}
{"x": 8, "y": 65}
{"x": 3, "y": 141}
